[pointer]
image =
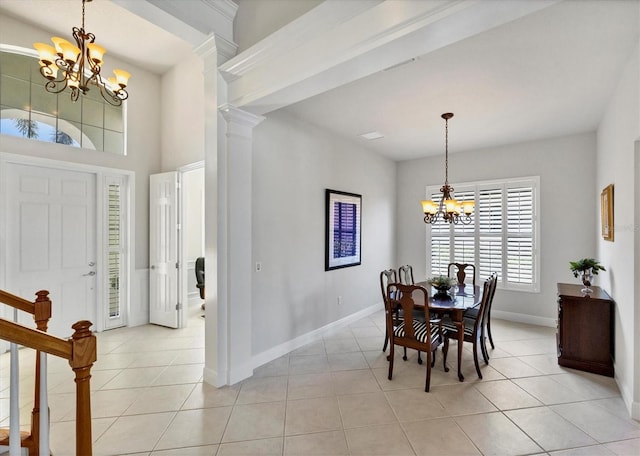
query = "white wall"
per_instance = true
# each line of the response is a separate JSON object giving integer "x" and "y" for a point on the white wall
{"x": 182, "y": 131}
{"x": 566, "y": 167}
{"x": 293, "y": 163}
{"x": 143, "y": 133}
{"x": 617, "y": 163}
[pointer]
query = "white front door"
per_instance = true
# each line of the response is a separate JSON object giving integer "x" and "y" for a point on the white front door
{"x": 51, "y": 241}
{"x": 163, "y": 249}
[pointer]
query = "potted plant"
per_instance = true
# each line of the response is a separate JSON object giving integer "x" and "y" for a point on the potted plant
{"x": 586, "y": 268}
{"x": 441, "y": 283}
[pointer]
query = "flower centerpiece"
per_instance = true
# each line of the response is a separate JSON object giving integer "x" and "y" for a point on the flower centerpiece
{"x": 586, "y": 268}
{"x": 441, "y": 283}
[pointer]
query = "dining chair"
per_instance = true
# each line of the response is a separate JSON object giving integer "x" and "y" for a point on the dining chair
{"x": 486, "y": 324}
{"x": 405, "y": 274}
{"x": 472, "y": 326}
{"x": 421, "y": 334}
{"x": 386, "y": 277}
{"x": 461, "y": 270}
{"x": 199, "y": 270}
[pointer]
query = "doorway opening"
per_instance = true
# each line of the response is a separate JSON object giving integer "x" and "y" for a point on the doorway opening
{"x": 176, "y": 240}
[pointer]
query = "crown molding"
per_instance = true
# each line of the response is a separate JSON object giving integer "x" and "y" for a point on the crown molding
{"x": 226, "y": 49}
{"x": 205, "y": 16}
{"x": 225, "y": 7}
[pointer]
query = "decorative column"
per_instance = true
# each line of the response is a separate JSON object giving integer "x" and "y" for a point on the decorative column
{"x": 235, "y": 144}
{"x": 215, "y": 327}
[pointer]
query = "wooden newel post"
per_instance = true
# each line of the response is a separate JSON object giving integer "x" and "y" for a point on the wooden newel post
{"x": 82, "y": 359}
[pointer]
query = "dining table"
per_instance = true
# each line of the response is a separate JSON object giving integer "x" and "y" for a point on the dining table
{"x": 454, "y": 303}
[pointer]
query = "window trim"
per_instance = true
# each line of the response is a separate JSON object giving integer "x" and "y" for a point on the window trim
{"x": 506, "y": 183}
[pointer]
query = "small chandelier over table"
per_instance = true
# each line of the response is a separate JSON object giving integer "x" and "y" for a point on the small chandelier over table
{"x": 449, "y": 209}
{"x": 78, "y": 66}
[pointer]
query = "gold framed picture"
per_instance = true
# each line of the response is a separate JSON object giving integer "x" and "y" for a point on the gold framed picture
{"x": 606, "y": 212}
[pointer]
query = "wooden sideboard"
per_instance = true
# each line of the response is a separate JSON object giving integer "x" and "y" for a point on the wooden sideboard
{"x": 585, "y": 329}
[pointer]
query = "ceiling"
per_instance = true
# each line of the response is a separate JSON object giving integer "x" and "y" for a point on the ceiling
{"x": 125, "y": 35}
{"x": 547, "y": 74}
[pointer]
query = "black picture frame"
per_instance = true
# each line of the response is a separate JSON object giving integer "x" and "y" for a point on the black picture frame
{"x": 343, "y": 229}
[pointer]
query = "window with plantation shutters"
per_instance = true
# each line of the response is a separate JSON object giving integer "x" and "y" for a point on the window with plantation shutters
{"x": 519, "y": 234}
{"x": 501, "y": 238}
{"x": 115, "y": 236}
{"x": 114, "y": 250}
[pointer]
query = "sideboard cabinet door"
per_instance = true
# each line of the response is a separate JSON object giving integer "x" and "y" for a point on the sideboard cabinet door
{"x": 585, "y": 333}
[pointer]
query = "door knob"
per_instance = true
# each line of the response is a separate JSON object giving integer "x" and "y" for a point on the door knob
{"x": 90, "y": 273}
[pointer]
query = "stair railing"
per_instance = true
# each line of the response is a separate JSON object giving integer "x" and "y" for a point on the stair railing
{"x": 79, "y": 350}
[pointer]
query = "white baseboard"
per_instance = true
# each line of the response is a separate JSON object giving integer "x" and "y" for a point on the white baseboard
{"x": 239, "y": 373}
{"x": 524, "y": 318}
{"x": 213, "y": 378}
{"x": 293, "y": 344}
{"x": 635, "y": 410}
{"x": 627, "y": 397}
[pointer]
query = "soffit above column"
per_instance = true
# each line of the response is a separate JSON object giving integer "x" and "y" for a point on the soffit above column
{"x": 234, "y": 115}
{"x": 339, "y": 42}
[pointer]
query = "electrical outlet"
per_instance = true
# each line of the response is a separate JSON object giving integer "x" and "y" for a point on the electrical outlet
{"x": 339, "y": 300}
{"x": 258, "y": 266}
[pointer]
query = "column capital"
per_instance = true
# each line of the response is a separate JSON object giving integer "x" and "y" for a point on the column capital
{"x": 208, "y": 52}
{"x": 217, "y": 46}
{"x": 235, "y": 115}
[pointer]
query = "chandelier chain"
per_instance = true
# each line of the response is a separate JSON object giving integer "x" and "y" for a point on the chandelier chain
{"x": 446, "y": 151}
{"x": 447, "y": 209}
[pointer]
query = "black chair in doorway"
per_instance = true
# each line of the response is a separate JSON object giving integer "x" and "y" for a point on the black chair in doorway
{"x": 200, "y": 276}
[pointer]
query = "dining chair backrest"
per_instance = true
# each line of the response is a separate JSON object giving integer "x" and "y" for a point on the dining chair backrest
{"x": 415, "y": 331}
{"x": 402, "y": 296}
{"x": 461, "y": 270}
{"x": 405, "y": 274}
{"x": 386, "y": 277}
{"x": 486, "y": 296}
{"x": 486, "y": 311}
{"x": 473, "y": 327}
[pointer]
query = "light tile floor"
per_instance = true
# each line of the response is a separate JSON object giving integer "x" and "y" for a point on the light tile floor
{"x": 332, "y": 397}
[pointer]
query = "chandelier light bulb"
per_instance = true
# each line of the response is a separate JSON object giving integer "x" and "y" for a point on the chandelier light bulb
{"x": 96, "y": 52}
{"x": 57, "y": 42}
{"x": 46, "y": 53}
{"x": 122, "y": 77}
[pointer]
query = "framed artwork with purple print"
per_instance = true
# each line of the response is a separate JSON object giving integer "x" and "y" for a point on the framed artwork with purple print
{"x": 343, "y": 229}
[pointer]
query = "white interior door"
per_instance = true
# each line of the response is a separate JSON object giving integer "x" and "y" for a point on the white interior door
{"x": 51, "y": 241}
{"x": 163, "y": 249}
